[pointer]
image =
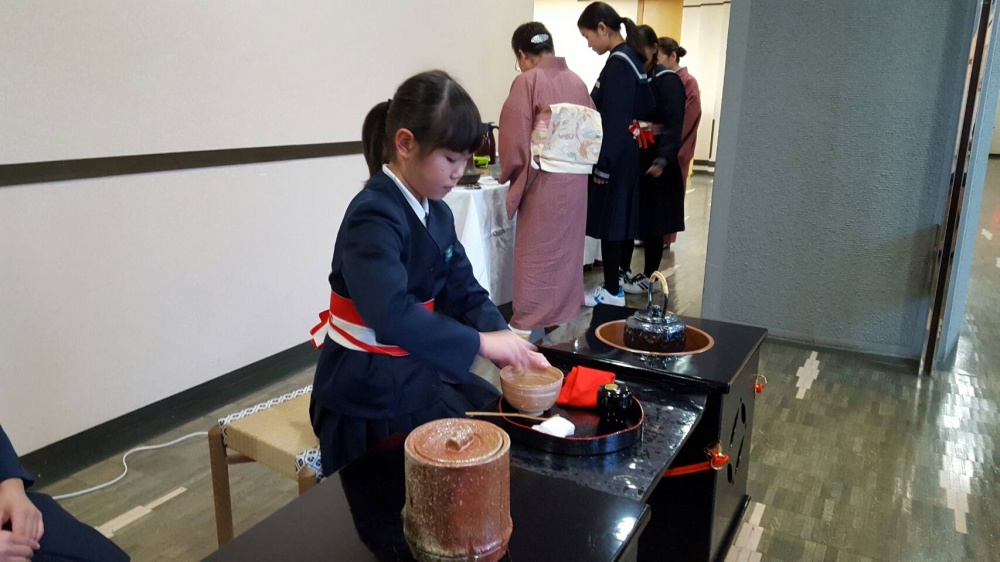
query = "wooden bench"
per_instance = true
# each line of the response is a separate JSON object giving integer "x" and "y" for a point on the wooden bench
{"x": 277, "y": 434}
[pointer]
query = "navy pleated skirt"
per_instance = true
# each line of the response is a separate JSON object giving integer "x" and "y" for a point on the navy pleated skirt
{"x": 344, "y": 438}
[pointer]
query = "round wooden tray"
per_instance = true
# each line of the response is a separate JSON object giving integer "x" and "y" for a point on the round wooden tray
{"x": 696, "y": 341}
{"x": 588, "y": 438}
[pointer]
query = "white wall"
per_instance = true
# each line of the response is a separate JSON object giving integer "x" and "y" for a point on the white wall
{"x": 560, "y": 16}
{"x": 118, "y": 292}
{"x": 704, "y": 33}
{"x": 113, "y": 77}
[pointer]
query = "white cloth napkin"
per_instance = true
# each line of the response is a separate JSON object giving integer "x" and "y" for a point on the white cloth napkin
{"x": 557, "y": 426}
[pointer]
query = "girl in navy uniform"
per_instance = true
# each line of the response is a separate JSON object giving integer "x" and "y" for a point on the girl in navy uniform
{"x": 407, "y": 317}
{"x": 661, "y": 185}
{"x": 622, "y": 95}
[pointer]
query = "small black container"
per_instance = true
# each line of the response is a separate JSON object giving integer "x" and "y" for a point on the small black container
{"x": 614, "y": 402}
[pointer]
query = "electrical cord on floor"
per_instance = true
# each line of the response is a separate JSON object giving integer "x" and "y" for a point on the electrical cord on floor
{"x": 125, "y": 464}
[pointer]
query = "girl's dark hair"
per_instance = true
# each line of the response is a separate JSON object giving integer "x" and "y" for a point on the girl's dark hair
{"x": 373, "y": 137}
{"x": 532, "y": 38}
{"x": 599, "y": 12}
{"x": 432, "y": 106}
{"x": 648, "y": 38}
{"x": 669, "y": 46}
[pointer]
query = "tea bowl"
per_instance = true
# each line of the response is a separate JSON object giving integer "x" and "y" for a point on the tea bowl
{"x": 531, "y": 391}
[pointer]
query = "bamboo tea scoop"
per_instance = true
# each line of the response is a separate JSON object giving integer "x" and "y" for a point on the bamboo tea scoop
{"x": 506, "y": 415}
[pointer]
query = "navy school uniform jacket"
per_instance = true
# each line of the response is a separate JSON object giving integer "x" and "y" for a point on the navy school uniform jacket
{"x": 388, "y": 263}
{"x": 621, "y": 94}
{"x": 661, "y": 198}
{"x": 10, "y": 466}
{"x": 668, "y": 89}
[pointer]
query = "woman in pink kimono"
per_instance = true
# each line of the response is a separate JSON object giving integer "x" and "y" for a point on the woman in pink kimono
{"x": 669, "y": 56}
{"x": 551, "y": 208}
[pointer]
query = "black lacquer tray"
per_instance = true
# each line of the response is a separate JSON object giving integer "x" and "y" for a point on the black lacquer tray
{"x": 588, "y": 438}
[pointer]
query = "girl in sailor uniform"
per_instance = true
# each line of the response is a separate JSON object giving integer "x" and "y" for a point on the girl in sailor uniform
{"x": 407, "y": 316}
{"x": 622, "y": 95}
{"x": 661, "y": 184}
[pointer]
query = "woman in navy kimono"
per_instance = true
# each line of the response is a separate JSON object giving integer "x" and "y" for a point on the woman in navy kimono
{"x": 407, "y": 316}
{"x": 621, "y": 94}
{"x": 661, "y": 185}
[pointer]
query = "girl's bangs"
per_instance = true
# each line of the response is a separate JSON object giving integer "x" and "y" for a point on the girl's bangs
{"x": 457, "y": 126}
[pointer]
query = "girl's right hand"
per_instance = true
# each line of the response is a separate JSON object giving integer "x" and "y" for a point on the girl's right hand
{"x": 507, "y": 348}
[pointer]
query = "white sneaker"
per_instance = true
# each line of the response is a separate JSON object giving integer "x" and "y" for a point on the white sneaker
{"x": 600, "y": 295}
{"x": 624, "y": 277}
{"x": 638, "y": 284}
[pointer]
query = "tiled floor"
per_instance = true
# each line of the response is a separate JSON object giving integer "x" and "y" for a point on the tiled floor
{"x": 852, "y": 459}
{"x": 874, "y": 463}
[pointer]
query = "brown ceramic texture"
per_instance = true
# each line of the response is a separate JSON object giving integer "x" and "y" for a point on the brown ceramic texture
{"x": 457, "y": 491}
{"x": 531, "y": 392}
{"x": 613, "y": 334}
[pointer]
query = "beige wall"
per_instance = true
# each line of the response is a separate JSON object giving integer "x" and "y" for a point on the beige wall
{"x": 118, "y": 292}
{"x": 664, "y": 16}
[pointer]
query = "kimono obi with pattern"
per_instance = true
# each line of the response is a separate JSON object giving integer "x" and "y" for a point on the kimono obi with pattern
{"x": 344, "y": 325}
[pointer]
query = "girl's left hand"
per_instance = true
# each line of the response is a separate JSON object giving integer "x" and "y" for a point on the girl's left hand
{"x": 654, "y": 171}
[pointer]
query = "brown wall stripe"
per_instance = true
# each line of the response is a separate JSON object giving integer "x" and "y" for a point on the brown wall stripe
{"x": 63, "y": 170}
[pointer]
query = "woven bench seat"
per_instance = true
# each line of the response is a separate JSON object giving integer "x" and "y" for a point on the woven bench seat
{"x": 276, "y": 434}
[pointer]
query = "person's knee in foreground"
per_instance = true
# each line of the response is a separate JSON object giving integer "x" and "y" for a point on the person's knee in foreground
{"x": 407, "y": 316}
{"x": 34, "y": 527}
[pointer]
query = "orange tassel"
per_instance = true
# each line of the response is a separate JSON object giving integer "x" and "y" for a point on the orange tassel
{"x": 716, "y": 461}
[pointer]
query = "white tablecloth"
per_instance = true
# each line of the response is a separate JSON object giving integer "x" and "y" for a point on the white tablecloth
{"x": 488, "y": 237}
{"x": 591, "y": 250}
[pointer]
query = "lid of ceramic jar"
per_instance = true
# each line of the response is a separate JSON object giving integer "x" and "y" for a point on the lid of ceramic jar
{"x": 457, "y": 442}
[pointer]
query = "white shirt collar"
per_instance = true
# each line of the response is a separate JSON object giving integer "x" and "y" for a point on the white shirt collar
{"x": 420, "y": 209}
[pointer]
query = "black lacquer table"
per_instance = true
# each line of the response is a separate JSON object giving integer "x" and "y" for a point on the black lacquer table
{"x": 695, "y": 516}
{"x": 355, "y": 515}
{"x": 566, "y": 507}
{"x": 632, "y": 473}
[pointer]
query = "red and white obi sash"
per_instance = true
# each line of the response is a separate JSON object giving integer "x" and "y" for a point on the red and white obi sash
{"x": 344, "y": 325}
{"x": 644, "y": 132}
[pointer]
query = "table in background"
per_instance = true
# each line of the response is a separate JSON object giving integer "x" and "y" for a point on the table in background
{"x": 591, "y": 250}
{"x": 487, "y": 235}
{"x": 355, "y": 515}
